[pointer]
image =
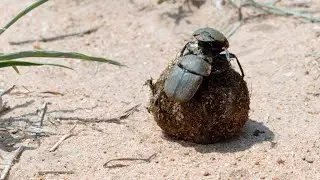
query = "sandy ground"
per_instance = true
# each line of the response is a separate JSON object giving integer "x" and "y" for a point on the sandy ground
{"x": 280, "y": 57}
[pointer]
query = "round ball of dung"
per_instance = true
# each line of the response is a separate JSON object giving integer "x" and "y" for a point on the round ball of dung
{"x": 217, "y": 111}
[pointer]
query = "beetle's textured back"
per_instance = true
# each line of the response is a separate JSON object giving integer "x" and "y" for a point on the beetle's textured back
{"x": 211, "y": 35}
{"x": 180, "y": 85}
{"x": 195, "y": 65}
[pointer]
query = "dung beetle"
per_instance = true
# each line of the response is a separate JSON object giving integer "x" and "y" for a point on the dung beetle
{"x": 210, "y": 43}
{"x": 195, "y": 62}
{"x": 186, "y": 76}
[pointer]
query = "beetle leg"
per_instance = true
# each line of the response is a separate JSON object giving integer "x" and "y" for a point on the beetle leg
{"x": 227, "y": 54}
{"x": 184, "y": 48}
{"x": 151, "y": 85}
{"x": 235, "y": 57}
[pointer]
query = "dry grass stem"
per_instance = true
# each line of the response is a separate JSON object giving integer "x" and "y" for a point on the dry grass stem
{"x": 64, "y": 137}
{"x": 43, "y": 112}
{"x": 10, "y": 162}
{"x": 8, "y": 90}
{"x": 127, "y": 159}
{"x": 116, "y": 120}
{"x": 54, "y": 172}
{"x": 60, "y": 37}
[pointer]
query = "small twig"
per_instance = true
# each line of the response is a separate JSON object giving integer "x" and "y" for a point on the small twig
{"x": 127, "y": 159}
{"x": 52, "y": 92}
{"x": 43, "y": 112}
{"x": 266, "y": 8}
{"x": 60, "y": 37}
{"x": 6, "y": 109}
{"x": 269, "y": 8}
{"x": 88, "y": 120}
{"x": 284, "y": 11}
{"x": 24, "y": 87}
{"x": 10, "y": 162}
{"x": 37, "y": 130}
{"x": 8, "y": 90}
{"x": 54, "y": 172}
{"x": 129, "y": 112}
{"x": 53, "y": 123}
{"x": 236, "y": 25}
{"x": 117, "y": 120}
{"x": 64, "y": 137}
{"x": 240, "y": 16}
{"x": 161, "y": 1}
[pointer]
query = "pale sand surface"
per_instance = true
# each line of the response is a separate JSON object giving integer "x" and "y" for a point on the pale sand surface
{"x": 280, "y": 57}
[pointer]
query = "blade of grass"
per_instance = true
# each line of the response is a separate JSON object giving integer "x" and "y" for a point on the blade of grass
{"x": 55, "y": 54}
{"x": 4, "y": 64}
{"x": 235, "y": 27}
{"x": 288, "y": 12}
{"x": 16, "y": 69}
{"x": 22, "y": 13}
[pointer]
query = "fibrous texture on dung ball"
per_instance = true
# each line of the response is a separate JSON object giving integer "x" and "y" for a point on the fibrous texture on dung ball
{"x": 217, "y": 111}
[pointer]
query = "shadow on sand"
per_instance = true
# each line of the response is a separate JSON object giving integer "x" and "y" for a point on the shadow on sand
{"x": 253, "y": 133}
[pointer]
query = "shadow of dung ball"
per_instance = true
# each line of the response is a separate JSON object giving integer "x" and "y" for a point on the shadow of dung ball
{"x": 217, "y": 111}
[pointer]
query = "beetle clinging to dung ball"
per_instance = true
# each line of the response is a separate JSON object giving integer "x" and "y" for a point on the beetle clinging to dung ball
{"x": 199, "y": 97}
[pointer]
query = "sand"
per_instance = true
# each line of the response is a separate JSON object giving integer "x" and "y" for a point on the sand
{"x": 280, "y": 57}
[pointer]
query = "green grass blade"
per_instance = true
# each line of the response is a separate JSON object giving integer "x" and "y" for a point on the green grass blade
{"x": 4, "y": 64}
{"x": 16, "y": 69}
{"x": 22, "y": 13}
{"x": 55, "y": 54}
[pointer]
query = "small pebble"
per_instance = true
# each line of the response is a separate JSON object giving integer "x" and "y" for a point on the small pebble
{"x": 13, "y": 131}
{"x": 280, "y": 161}
{"x": 273, "y": 144}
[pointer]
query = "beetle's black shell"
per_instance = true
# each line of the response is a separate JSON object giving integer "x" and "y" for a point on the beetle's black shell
{"x": 181, "y": 85}
{"x": 217, "y": 111}
{"x": 186, "y": 77}
{"x": 211, "y": 35}
{"x": 195, "y": 64}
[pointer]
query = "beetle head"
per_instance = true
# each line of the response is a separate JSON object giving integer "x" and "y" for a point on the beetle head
{"x": 212, "y": 39}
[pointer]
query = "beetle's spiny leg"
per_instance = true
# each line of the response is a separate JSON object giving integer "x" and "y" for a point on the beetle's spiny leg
{"x": 234, "y": 56}
{"x": 151, "y": 85}
{"x": 184, "y": 48}
{"x": 227, "y": 54}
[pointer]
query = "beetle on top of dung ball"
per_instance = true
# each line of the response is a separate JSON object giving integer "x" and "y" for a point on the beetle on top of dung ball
{"x": 199, "y": 97}
{"x": 195, "y": 62}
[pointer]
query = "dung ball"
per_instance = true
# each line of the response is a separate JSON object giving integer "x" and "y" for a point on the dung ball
{"x": 217, "y": 111}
